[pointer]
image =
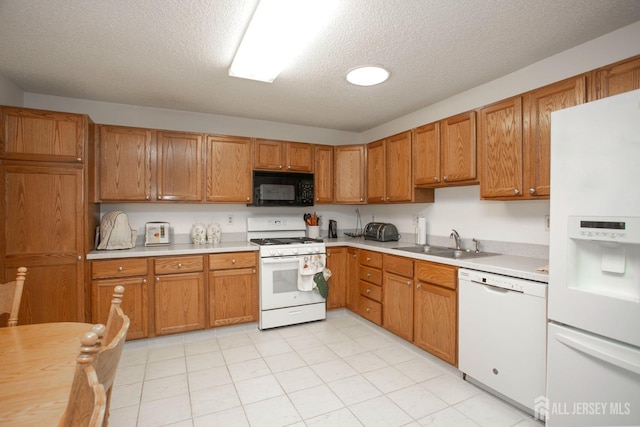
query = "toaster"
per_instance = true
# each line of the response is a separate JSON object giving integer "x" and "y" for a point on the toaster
{"x": 381, "y": 232}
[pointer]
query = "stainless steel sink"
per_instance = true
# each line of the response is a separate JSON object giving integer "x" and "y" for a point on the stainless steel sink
{"x": 445, "y": 252}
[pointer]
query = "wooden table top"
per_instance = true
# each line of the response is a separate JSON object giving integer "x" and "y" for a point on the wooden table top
{"x": 37, "y": 364}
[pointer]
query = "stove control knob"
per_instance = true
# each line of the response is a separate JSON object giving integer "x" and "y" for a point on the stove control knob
{"x": 279, "y": 251}
{"x": 294, "y": 250}
{"x": 308, "y": 250}
{"x": 316, "y": 250}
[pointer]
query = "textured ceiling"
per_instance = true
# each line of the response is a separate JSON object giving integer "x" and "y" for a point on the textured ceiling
{"x": 176, "y": 53}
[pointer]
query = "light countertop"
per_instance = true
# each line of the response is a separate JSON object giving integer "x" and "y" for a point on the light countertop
{"x": 508, "y": 265}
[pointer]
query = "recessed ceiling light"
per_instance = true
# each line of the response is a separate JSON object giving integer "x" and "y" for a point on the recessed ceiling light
{"x": 367, "y": 76}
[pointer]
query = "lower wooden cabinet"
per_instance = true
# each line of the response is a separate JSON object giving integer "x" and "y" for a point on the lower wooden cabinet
{"x": 436, "y": 310}
{"x": 130, "y": 273}
{"x": 398, "y": 296}
{"x": 233, "y": 288}
{"x": 179, "y": 299}
{"x": 352, "y": 290}
{"x": 337, "y": 259}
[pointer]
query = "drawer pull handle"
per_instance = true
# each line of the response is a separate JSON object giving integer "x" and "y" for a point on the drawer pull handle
{"x": 120, "y": 268}
{"x": 179, "y": 265}
{"x": 368, "y": 259}
{"x": 233, "y": 261}
{"x": 368, "y": 291}
{"x": 367, "y": 309}
{"x": 368, "y": 274}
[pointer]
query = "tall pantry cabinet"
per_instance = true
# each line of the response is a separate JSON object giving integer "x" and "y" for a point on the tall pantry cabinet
{"x": 48, "y": 214}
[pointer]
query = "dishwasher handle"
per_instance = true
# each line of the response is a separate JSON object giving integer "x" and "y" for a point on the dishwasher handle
{"x": 495, "y": 288}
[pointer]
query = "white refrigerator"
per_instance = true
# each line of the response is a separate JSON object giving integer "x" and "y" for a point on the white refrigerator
{"x": 593, "y": 336}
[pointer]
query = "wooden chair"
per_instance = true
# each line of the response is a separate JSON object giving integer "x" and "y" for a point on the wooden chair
{"x": 11, "y": 295}
{"x": 111, "y": 343}
{"x": 87, "y": 403}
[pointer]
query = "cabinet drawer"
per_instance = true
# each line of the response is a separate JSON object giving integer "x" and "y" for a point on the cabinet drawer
{"x": 232, "y": 260}
{"x": 370, "y": 310}
{"x": 438, "y": 274}
{"x": 398, "y": 265}
{"x": 172, "y": 265}
{"x": 119, "y": 268}
{"x": 371, "y": 275}
{"x": 370, "y": 258}
{"x": 371, "y": 291}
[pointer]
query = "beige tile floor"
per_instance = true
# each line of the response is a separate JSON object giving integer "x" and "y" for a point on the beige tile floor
{"x": 343, "y": 371}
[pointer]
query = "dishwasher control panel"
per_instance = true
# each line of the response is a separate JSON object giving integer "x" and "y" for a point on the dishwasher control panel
{"x": 504, "y": 282}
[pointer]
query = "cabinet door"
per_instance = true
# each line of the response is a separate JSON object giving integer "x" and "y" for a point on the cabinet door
{"x": 398, "y": 183}
{"x": 426, "y": 154}
{"x": 42, "y": 135}
{"x": 268, "y": 154}
{"x": 337, "y": 262}
{"x": 125, "y": 163}
{"x": 501, "y": 149}
{"x": 376, "y": 172}
{"x": 459, "y": 148}
{"x": 180, "y": 164}
{"x": 435, "y": 323}
{"x": 233, "y": 296}
{"x": 42, "y": 229}
{"x": 229, "y": 171}
{"x": 353, "y": 268}
{"x": 179, "y": 303}
{"x": 539, "y": 104}
{"x": 617, "y": 78}
{"x": 397, "y": 313}
{"x": 323, "y": 174}
{"x": 349, "y": 172}
{"x": 299, "y": 157}
{"x": 134, "y": 303}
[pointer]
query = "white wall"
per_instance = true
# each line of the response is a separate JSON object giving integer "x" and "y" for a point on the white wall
{"x": 10, "y": 94}
{"x": 459, "y": 208}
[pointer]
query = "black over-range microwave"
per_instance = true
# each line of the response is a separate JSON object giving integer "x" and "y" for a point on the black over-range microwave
{"x": 282, "y": 189}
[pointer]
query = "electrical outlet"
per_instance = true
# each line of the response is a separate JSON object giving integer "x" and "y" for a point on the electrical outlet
{"x": 547, "y": 223}
{"x": 230, "y": 219}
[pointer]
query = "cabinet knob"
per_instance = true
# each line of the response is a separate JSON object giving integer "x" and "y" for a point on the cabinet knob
{"x": 279, "y": 166}
{"x": 233, "y": 261}
{"x": 361, "y": 199}
{"x": 157, "y": 279}
{"x": 253, "y": 271}
{"x": 179, "y": 265}
{"x": 79, "y": 257}
{"x": 367, "y": 309}
{"x": 78, "y": 159}
{"x": 368, "y": 274}
{"x": 355, "y": 256}
{"x": 289, "y": 167}
{"x": 516, "y": 191}
{"x": 159, "y": 197}
{"x": 144, "y": 281}
{"x": 382, "y": 198}
{"x": 317, "y": 199}
{"x": 368, "y": 291}
{"x": 368, "y": 259}
{"x": 532, "y": 191}
{"x": 444, "y": 178}
{"x": 388, "y": 198}
{"x": 147, "y": 197}
{"x": 418, "y": 286}
{"x": 120, "y": 268}
{"x": 408, "y": 282}
{"x": 436, "y": 179}
{"x": 247, "y": 199}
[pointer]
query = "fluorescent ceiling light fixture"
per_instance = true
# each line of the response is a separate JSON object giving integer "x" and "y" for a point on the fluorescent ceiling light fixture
{"x": 367, "y": 76}
{"x": 279, "y": 30}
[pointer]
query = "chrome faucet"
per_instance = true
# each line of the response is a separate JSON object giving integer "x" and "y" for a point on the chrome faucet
{"x": 456, "y": 236}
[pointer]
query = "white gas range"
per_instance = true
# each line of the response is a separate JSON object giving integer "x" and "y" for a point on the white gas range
{"x": 288, "y": 261}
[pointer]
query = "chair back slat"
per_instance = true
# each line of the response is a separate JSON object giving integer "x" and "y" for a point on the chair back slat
{"x": 11, "y": 296}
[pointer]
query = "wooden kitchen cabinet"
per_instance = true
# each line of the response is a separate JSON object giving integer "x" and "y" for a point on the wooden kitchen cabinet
{"x": 537, "y": 109}
{"x": 397, "y": 314}
{"x": 323, "y": 174}
{"x": 229, "y": 171}
{"x": 48, "y": 217}
{"x": 444, "y": 152}
{"x": 376, "y": 172}
{"x": 125, "y": 164}
{"x": 283, "y": 156}
{"x": 436, "y": 310}
{"x": 38, "y": 135}
{"x": 350, "y": 163}
{"x": 337, "y": 259}
{"x": 233, "y": 288}
{"x": 180, "y": 162}
{"x": 614, "y": 79}
{"x": 370, "y": 286}
{"x": 130, "y": 273}
{"x": 179, "y": 294}
{"x": 353, "y": 271}
{"x": 515, "y": 137}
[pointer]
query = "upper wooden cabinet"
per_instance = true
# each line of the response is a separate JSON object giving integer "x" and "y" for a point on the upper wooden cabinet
{"x": 38, "y": 135}
{"x": 515, "y": 140}
{"x": 124, "y": 158}
{"x": 349, "y": 174}
{"x": 146, "y": 165}
{"x": 623, "y": 76}
{"x": 229, "y": 170}
{"x": 323, "y": 176}
{"x": 444, "y": 152}
{"x": 283, "y": 156}
{"x": 180, "y": 164}
{"x": 376, "y": 172}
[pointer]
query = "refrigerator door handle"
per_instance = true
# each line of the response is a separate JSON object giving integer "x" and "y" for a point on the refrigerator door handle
{"x": 631, "y": 363}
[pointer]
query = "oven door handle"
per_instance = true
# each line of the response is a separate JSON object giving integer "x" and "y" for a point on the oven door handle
{"x": 279, "y": 260}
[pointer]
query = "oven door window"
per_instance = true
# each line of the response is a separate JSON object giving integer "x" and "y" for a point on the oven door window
{"x": 279, "y": 284}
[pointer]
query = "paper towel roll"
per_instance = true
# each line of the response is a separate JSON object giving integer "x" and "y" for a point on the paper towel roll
{"x": 422, "y": 230}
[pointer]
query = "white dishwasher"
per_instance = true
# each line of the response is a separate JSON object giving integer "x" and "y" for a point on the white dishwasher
{"x": 502, "y": 335}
